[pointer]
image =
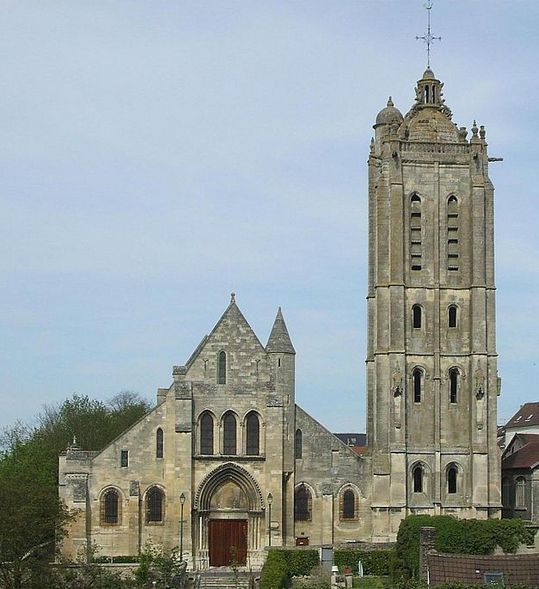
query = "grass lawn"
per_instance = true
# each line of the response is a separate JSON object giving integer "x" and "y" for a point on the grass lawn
{"x": 371, "y": 582}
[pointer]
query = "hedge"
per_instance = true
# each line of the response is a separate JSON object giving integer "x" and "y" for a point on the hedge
{"x": 282, "y": 565}
{"x": 375, "y": 562}
{"x": 274, "y": 574}
{"x": 464, "y": 536}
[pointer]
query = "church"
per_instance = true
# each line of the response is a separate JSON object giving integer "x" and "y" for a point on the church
{"x": 226, "y": 464}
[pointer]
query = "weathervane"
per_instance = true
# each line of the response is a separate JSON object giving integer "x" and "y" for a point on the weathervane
{"x": 429, "y": 37}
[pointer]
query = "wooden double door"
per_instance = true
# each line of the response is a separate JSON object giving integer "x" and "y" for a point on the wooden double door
{"x": 227, "y": 542}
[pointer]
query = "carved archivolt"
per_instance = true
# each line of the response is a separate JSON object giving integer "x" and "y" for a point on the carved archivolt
{"x": 223, "y": 474}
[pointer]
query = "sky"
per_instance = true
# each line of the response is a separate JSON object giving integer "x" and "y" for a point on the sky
{"x": 156, "y": 155}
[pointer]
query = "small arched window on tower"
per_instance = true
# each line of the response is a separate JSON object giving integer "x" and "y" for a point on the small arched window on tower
{"x": 417, "y": 317}
{"x": 206, "y": 434}
{"x": 416, "y": 244}
{"x": 302, "y": 504}
{"x": 417, "y": 479}
{"x": 453, "y": 243}
{"x": 298, "y": 444}
{"x": 454, "y": 385}
{"x": 229, "y": 434}
{"x": 452, "y": 315}
{"x": 221, "y": 368}
{"x": 452, "y": 479}
{"x": 253, "y": 435}
{"x": 417, "y": 378}
{"x": 155, "y": 501}
{"x": 159, "y": 443}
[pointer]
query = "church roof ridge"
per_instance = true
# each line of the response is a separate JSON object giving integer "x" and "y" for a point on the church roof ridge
{"x": 279, "y": 339}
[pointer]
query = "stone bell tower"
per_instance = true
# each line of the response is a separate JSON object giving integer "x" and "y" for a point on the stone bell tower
{"x": 432, "y": 375}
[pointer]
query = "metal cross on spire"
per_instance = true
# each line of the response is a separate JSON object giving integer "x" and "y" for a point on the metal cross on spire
{"x": 428, "y": 37}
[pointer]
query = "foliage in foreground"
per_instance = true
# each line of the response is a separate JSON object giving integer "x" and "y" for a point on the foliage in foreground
{"x": 458, "y": 536}
{"x": 33, "y": 518}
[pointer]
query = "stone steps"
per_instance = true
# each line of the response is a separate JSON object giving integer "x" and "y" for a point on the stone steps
{"x": 225, "y": 580}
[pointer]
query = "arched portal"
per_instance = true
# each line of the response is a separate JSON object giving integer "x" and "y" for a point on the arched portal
{"x": 229, "y": 512}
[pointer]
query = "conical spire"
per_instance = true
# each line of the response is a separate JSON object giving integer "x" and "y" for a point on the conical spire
{"x": 279, "y": 340}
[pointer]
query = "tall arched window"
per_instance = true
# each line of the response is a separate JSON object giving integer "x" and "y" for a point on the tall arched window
{"x": 155, "y": 503}
{"x": 159, "y": 444}
{"x": 453, "y": 245}
{"x": 453, "y": 385}
{"x": 452, "y": 477}
{"x": 520, "y": 493}
{"x": 298, "y": 444}
{"x": 416, "y": 317}
{"x": 221, "y": 368}
{"x": 302, "y": 504}
{"x": 253, "y": 435}
{"x": 206, "y": 434}
{"x": 416, "y": 246}
{"x": 417, "y": 479}
{"x": 452, "y": 316}
{"x": 417, "y": 377}
{"x": 110, "y": 508}
{"x": 348, "y": 504}
{"x": 229, "y": 434}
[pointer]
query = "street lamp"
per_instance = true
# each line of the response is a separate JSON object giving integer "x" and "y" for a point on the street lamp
{"x": 182, "y": 501}
{"x": 270, "y": 501}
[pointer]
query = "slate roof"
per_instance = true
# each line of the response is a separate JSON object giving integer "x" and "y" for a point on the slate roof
{"x": 279, "y": 340}
{"x": 352, "y": 439}
{"x": 527, "y": 415}
{"x": 517, "y": 569}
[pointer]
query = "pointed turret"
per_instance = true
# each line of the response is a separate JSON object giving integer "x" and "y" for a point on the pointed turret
{"x": 279, "y": 340}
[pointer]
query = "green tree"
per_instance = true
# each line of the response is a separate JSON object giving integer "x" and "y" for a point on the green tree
{"x": 33, "y": 518}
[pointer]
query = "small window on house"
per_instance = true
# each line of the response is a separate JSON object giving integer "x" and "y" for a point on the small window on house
{"x": 452, "y": 474}
{"x": 221, "y": 368}
{"x": 452, "y": 316}
{"x": 154, "y": 505}
{"x": 298, "y": 444}
{"x": 206, "y": 434}
{"x": 453, "y": 385}
{"x": 110, "y": 508}
{"x": 159, "y": 446}
{"x": 302, "y": 504}
{"x": 417, "y": 377}
{"x": 520, "y": 493}
{"x": 348, "y": 504}
{"x": 124, "y": 458}
{"x": 416, "y": 317}
{"x": 253, "y": 435}
{"x": 229, "y": 434}
{"x": 417, "y": 479}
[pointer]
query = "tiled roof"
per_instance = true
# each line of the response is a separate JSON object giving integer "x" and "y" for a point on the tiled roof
{"x": 517, "y": 569}
{"x": 527, "y": 415}
{"x": 525, "y": 457}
